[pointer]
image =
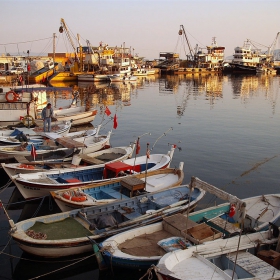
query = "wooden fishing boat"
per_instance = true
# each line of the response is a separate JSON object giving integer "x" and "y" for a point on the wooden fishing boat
{"x": 105, "y": 192}
{"x": 87, "y": 144}
{"x": 19, "y": 101}
{"x": 93, "y": 78}
{"x": 82, "y": 161}
{"x": 68, "y": 233}
{"x": 35, "y": 135}
{"x": 238, "y": 257}
{"x": 141, "y": 248}
{"x": 122, "y": 78}
{"x": 39, "y": 184}
{"x": 25, "y": 149}
{"x": 24, "y": 104}
{"x": 78, "y": 115}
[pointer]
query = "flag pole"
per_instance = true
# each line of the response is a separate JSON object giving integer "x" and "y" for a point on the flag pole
{"x": 138, "y": 146}
{"x": 146, "y": 164}
{"x": 136, "y": 151}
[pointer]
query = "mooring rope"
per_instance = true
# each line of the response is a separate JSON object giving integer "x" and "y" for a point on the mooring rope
{"x": 51, "y": 272}
{"x": 5, "y": 186}
{"x": 149, "y": 273}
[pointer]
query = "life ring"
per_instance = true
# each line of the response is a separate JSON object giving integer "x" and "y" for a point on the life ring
{"x": 74, "y": 196}
{"x": 12, "y": 96}
{"x": 26, "y": 118}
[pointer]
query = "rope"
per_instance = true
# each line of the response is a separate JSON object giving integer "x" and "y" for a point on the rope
{"x": 39, "y": 207}
{"x": 37, "y": 277}
{"x": 25, "y": 42}
{"x": 14, "y": 203}
{"x": 38, "y": 261}
{"x": 5, "y": 186}
{"x": 149, "y": 273}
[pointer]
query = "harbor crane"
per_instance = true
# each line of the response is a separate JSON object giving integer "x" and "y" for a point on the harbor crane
{"x": 182, "y": 31}
{"x": 64, "y": 28}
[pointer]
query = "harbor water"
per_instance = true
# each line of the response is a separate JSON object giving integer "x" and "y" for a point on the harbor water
{"x": 226, "y": 130}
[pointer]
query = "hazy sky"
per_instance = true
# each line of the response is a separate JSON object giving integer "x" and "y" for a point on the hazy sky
{"x": 147, "y": 26}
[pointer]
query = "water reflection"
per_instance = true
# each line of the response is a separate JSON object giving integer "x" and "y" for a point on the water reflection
{"x": 210, "y": 87}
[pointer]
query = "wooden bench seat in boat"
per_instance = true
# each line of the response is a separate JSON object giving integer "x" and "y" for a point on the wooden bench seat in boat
{"x": 45, "y": 180}
{"x": 91, "y": 160}
{"x": 180, "y": 225}
{"x": 67, "y": 142}
{"x": 129, "y": 215}
{"x": 254, "y": 265}
{"x": 21, "y": 159}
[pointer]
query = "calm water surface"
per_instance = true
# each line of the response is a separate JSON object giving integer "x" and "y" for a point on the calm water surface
{"x": 226, "y": 129}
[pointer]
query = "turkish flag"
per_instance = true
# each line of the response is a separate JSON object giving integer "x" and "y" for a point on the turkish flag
{"x": 115, "y": 122}
{"x": 33, "y": 152}
{"x": 148, "y": 153}
{"x": 107, "y": 111}
{"x": 137, "y": 147}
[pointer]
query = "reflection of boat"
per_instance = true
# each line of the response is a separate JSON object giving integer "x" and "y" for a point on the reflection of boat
{"x": 244, "y": 257}
{"x": 266, "y": 70}
{"x": 68, "y": 233}
{"x": 197, "y": 227}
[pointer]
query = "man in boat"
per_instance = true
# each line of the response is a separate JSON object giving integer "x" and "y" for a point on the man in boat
{"x": 47, "y": 114}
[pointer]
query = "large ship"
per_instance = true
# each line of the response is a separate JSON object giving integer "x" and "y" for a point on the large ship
{"x": 247, "y": 60}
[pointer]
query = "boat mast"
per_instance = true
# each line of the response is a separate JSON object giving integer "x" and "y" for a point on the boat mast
{"x": 54, "y": 36}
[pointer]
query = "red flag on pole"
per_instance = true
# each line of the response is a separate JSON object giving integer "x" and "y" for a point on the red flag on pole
{"x": 148, "y": 153}
{"x": 33, "y": 152}
{"x": 115, "y": 122}
{"x": 137, "y": 147}
{"x": 107, "y": 111}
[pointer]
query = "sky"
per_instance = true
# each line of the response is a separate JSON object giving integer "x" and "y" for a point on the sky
{"x": 148, "y": 27}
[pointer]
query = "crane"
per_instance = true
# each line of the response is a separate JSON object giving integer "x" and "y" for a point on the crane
{"x": 63, "y": 28}
{"x": 182, "y": 31}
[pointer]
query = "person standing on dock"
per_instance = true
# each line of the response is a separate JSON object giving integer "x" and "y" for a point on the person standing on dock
{"x": 47, "y": 114}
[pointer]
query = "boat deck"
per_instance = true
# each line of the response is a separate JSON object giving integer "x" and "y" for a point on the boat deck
{"x": 145, "y": 245}
{"x": 257, "y": 267}
{"x": 224, "y": 225}
{"x": 67, "y": 228}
